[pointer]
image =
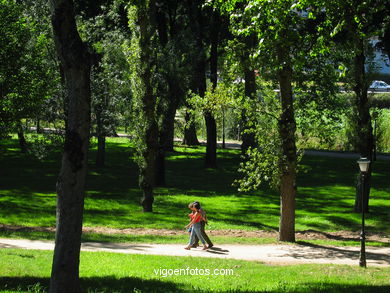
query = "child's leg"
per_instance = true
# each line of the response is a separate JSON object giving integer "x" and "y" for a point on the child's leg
{"x": 192, "y": 237}
{"x": 196, "y": 241}
{"x": 196, "y": 229}
{"x": 205, "y": 236}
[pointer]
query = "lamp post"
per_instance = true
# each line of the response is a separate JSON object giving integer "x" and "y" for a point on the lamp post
{"x": 364, "y": 164}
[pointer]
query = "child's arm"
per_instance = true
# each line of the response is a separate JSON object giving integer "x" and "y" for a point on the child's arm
{"x": 193, "y": 220}
{"x": 204, "y": 217}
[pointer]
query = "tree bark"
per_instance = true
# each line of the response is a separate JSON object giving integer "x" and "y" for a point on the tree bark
{"x": 211, "y": 147}
{"x": 75, "y": 60}
{"x": 248, "y": 138}
{"x": 101, "y": 147}
{"x": 364, "y": 125}
{"x": 166, "y": 134}
{"x": 101, "y": 151}
{"x": 190, "y": 137}
{"x": 211, "y": 125}
{"x": 288, "y": 164}
{"x": 146, "y": 14}
{"x": 160, "y": 179}
{"x": 39, "y": 130}
{"x": 21, "y": 138}
{"x": 167, "y": 129}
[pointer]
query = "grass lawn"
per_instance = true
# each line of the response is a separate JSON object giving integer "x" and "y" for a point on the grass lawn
{"x": 324, "y": 202}
{"x": 29, "y": 271}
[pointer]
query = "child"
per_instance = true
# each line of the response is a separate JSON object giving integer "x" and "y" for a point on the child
{"x": 203, "y": 223}
{"x": 195, "y": 227}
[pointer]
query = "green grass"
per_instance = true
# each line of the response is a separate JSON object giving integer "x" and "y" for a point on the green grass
{"x": 324, "y": 202}
{"x": 29, "y": 271}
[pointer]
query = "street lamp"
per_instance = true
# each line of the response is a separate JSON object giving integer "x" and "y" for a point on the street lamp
{"x": 364, "y": 164}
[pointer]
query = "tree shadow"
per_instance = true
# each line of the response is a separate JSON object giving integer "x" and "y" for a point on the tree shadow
{"x": 330, "y": 236}
{"x": 337, "y": 253}
{"x": 109, "y": 284}
{"x": 112, "y": 284}
{"x": 322, "y": 287}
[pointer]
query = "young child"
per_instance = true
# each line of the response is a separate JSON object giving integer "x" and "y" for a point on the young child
{"x": 203, "y": 223}
{"x": 191, "y": 216}
{"x": 195, "y": 227}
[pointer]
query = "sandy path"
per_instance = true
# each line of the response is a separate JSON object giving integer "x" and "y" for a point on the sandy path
{"x": 272, "y": 254}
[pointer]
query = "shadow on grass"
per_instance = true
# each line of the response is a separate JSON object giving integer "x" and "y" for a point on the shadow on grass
{"x": 335, "y": 288}
{"x": 326, "y": 190}
{"x": 333, "y": 237}
{"x": 337, "y": 253}
{"x": 109, "y": 284}
{"x": 112, "y": 284}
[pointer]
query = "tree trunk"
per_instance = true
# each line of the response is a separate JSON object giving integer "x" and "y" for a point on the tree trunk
{"x": 146, "y": 14}
{"x": 211, "y": 125}
{"x": 38, "y": 130}
{"x": 248, "y": 138}
{"x": 288, "y": 164}
{"x": 101, "y": 151}
{"x": 101, "y": 147}
{"x": 101, "y": 136}
{"x": 364, "y": 126}
{"x": 366, "y": 191}
{"x": 211, "y": 148}
{"x": 22, "y": 139}
{"x": 166, "y": 135}
{"x": 160, "y": 168}
{"x": 223, "y": 129}
{"x": 190, "y": 137}
{"x": 75, "y": 60}
{"x": 167, "y": 131}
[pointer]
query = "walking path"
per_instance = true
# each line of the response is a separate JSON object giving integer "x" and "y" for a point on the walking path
{"x": 321, "y": 153}
{"x": 282, "y": 254}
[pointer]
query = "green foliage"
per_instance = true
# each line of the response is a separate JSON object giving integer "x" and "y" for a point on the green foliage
{"x": 381, "y": 120}
{"x": 142, "y": 70}
{"x": 24, "y": 74}
{"x": 41, "y": 145}
{"x": 224, "y": 102}
{"x": 110, "y": 84}
{"x": 264, "y": 163}
{"x": 215, "y": 101}
{"x": 321, "y": 119}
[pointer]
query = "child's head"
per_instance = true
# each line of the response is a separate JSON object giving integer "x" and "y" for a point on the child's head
{"x": 191, "y": 206}
{"x": 196, "y": 205}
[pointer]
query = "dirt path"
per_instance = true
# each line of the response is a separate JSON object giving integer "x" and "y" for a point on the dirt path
{"x": 300, "y": 235}
{"x": 270, "y": 254}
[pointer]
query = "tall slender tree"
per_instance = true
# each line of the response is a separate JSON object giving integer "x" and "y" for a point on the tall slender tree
{"x": 143, "y": 26}
{"x": 284, "y": 45}
{"x": 75, "y": 60}
{"x": 357, "y": 22}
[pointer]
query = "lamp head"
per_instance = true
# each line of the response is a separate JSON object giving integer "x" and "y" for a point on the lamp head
{"x": 364, "y": 164}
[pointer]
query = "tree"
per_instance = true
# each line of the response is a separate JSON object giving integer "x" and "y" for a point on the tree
{"x": 174, "y": 58}
{"x": 285, "y": 42}
{"x": 143, "y": 26}
{"x": 75, "y": 60}
{"x": 110, "y": 83}
{"x": 211, "y": 125}
{"x": 356, "y": 22}
{"x": 215, "y": 101}
{"x": 24, "y": 71}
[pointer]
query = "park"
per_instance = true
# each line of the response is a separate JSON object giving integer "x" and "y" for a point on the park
{"x": 119, "y": 118}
